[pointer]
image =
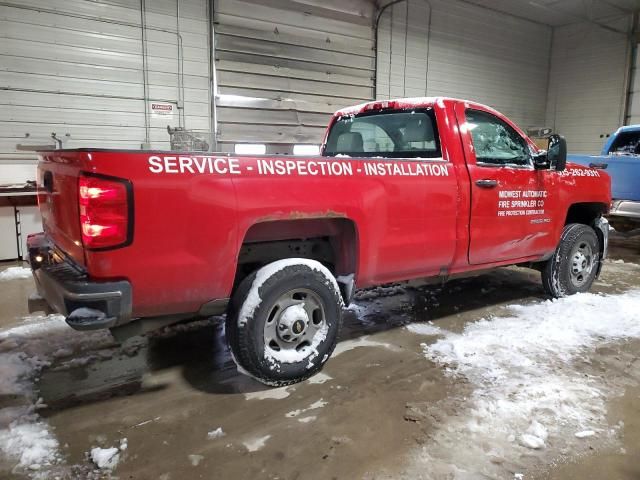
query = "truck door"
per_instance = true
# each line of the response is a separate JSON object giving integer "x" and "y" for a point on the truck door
{"x": 512, "y": 204}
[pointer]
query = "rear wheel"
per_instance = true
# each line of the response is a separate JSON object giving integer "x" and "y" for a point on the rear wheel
{"x": 574, "y": 265}
{"x": 284, "y": 321}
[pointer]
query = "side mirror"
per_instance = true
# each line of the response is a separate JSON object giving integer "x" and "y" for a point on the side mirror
{"x": 557, "y": 152}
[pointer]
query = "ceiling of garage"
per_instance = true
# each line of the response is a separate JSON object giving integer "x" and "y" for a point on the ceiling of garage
{"x": 558, "y": 12}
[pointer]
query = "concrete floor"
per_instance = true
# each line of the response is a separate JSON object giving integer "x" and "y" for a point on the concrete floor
{"x": 377, "y": 404}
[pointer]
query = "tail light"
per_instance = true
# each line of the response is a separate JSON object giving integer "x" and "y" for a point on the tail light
{"x": 106, "y": 206}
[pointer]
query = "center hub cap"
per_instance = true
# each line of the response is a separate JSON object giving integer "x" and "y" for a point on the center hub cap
{"x": 580, "y": 262}
{"x": 298, "y": 327}
{"x": 293, "y": 323}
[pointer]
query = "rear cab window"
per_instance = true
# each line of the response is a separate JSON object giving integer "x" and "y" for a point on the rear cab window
{"x": 410, "y": 133}
{"x": 626, "y": 143}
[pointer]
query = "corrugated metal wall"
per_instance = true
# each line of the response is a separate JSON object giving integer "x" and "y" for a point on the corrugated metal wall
{"x": 455, "y": 49}
{"x": 587, "y": 84}
{"x": 633, "y": 114}
{"x": 76, "y": 68}
{"x": 283, "y": 65}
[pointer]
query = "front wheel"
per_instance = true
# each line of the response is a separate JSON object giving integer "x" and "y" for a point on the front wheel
{"x": 284, "y": 320}
{"x": 574, "y": 265}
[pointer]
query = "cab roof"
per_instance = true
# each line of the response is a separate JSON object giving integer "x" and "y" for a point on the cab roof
{"x": 402, "y": 103}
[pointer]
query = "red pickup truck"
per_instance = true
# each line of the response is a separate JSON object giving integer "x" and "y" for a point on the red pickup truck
{"x": 404, "y": 189}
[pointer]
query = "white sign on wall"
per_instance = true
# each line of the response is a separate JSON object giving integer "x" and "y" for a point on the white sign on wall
{"x": 161, "y": 109}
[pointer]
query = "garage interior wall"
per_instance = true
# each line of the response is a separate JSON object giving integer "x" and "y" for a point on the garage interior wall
{"x": 88, "y": 71}
{"x": 432, "y": 48}
{"x": 633, "y": 113}
{"x": 570, "y": 78}
{"x": 282, "y": 66}
{"x": 588, "y": 83}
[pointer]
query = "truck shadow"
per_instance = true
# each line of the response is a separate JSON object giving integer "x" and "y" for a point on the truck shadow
{"x": 199, "y": 350}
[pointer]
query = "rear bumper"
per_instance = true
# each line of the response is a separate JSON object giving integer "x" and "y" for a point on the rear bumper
{"x": 87, "y": 304}
{"x": 628, "y": 209}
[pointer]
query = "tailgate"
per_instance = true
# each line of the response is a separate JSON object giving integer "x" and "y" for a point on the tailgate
{"x": 58, "y": 173}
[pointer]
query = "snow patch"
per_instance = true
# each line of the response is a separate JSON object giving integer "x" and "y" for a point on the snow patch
{"x": 217, "y": 433}
{"x": 308, "y": 419}
{"x": 256, "y": 444}
{"x": 25, "y": 438}
{"x": 616, "y": 264}
{"x": 195, "y": 460}
{"x": 361, "y": 342}
{"x": 105, "y": 458}
{"x": 517, "y": 366}
{"x": 317, "y": 404}
{"x": 15, "y": 273}
{"x": 424, "y": 329}
{"x": 319, "y": 378}
{"x": 271, "y": 393}
{"x": 531, "y": 441}
{"x": 585, "y": 434}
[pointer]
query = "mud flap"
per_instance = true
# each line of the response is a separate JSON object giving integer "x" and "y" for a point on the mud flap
{"x": 347, "y": 286}
{"x": 601, "y": 226}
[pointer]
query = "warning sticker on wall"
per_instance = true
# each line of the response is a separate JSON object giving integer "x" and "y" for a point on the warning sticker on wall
{"x": 159, "y": 109}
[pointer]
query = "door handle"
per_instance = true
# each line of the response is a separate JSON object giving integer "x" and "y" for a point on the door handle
{"x": 487, "y": 183}
{"x": 601, "y": 166}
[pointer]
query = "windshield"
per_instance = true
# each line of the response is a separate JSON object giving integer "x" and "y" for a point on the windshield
{"x": 626, "y": 143}
{"x": 397, "y": 134}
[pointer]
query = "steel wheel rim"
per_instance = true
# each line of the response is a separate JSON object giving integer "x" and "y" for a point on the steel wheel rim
{"x": 283, "y": 328}
{"x": 582, "y": 263}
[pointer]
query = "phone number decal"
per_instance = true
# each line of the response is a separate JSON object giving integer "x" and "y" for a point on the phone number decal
{"x": 578, "y": 172}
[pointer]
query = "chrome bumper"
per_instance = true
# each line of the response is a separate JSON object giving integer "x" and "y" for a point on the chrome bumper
{"x": 625, "y": 208}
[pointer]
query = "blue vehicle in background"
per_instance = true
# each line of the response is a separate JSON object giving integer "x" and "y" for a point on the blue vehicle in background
{"x": 620, "y": 158}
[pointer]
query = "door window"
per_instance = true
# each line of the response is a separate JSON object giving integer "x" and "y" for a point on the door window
{"x": 496, "y": 142}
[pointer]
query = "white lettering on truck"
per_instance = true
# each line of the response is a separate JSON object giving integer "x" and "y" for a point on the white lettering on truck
{"x": 303, "y": 168}
{"x": 329, "y": 167}
{"x": 522, "y": 203}
{"x": 182, "y": 164}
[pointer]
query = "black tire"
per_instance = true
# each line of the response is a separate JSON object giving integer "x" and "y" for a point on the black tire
{"x": 288, "y": 292}
{"x": 574, "y": 265}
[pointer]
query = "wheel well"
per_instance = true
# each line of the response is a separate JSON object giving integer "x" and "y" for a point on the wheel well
{"x": 585, "y": 213}
{"x": 331, "y": 241}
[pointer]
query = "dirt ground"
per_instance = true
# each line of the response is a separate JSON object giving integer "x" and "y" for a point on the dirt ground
{"x": 379, "y": 409}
